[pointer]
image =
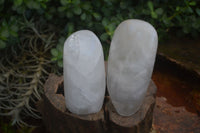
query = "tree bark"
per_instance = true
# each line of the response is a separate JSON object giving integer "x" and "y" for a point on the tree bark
{"x": 58, "y": 119}
{"x": 140, "y": 122}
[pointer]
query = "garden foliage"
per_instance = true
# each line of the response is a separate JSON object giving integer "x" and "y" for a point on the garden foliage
{"x": 100, "y": 16}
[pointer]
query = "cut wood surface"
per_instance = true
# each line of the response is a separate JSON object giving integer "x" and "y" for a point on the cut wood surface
{"x": 140, "y": 122}
{"x": 58, "y": 119}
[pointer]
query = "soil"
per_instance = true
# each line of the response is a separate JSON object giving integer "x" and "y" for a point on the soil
{"x": 175, "y": 110}
{"x": 176, "y": 91}
{"x": 174, "y": 119}
{"x": 185, "y": 52}
{"x": 178, "y": 96}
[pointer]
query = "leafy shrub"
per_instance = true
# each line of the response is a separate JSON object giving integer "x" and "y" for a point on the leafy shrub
{"x": 101, "y": 16}
{"x": 12, "y": 13}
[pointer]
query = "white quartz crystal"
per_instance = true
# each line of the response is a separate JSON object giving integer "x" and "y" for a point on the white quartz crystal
{"x": 130, "y": 64}
{"x": 84, "y": 73}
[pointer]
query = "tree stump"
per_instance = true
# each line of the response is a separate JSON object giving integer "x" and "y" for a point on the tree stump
{"x": 140, "y": 122}
{"x": 58, "y": 119}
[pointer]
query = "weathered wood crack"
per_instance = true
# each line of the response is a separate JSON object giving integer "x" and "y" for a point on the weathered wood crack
{"x": 58, "y": 119}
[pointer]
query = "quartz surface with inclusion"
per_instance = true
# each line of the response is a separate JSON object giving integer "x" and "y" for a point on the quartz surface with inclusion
{"x": 84, "y": 73}
{"x": 130, "y": 64}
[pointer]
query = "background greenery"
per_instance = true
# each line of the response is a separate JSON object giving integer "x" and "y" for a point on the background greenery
{"x": 101, "y": 16}
{"x": 49, "y": 22}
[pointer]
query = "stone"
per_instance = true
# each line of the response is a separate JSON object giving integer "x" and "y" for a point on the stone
{"x": 84, "y": 73}
{"x": 130, "y": 64}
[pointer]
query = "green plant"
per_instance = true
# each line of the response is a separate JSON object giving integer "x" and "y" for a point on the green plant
{"x": 12, "y": 12}
{"x": 23, "y": 73}
{"x": 6, "y": 127}
{"x": 57, "y": 52}
{"x": 102, "y": 17}
{"x": 8, "y": 32}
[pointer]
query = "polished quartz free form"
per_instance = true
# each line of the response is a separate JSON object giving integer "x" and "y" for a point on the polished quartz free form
{"x": 130, "y": 64}
{"x": 84, "y": 73}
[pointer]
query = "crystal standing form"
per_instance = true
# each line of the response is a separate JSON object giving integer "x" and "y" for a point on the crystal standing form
{"x": 130, "y": 64}
{"x": 84, "y": 73}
